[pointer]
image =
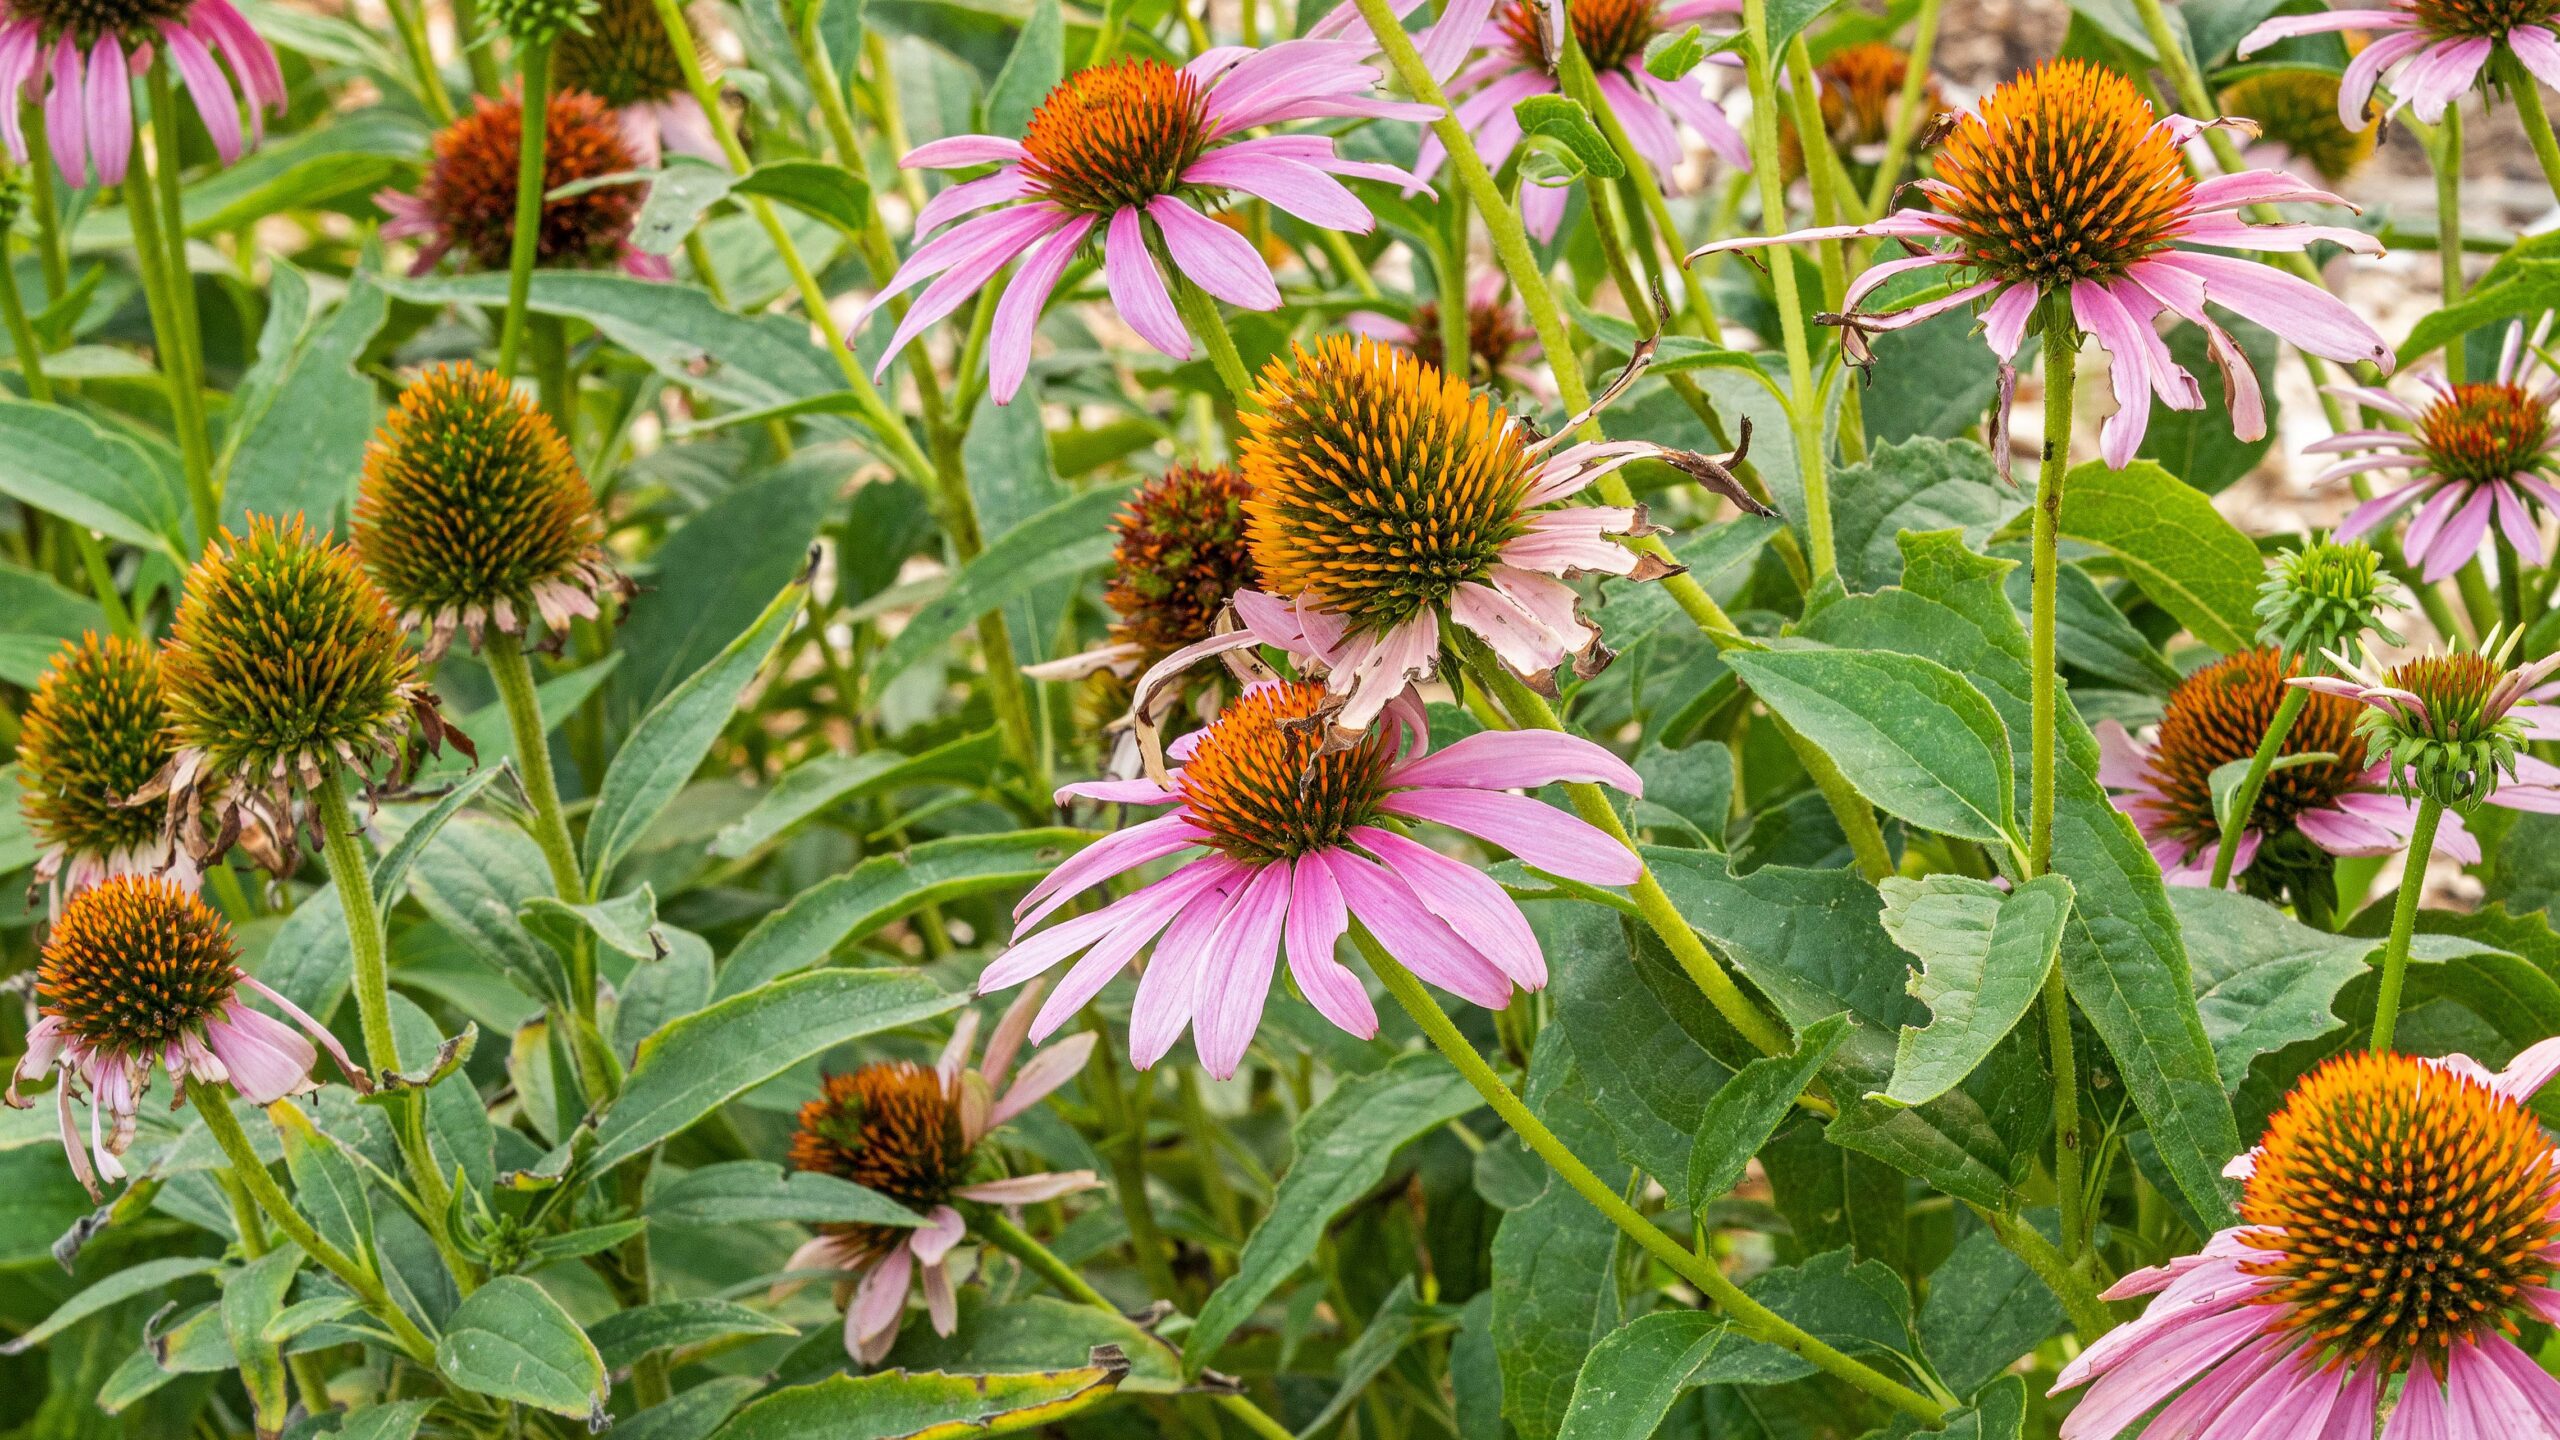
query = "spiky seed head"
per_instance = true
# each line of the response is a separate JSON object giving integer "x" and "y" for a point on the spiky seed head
{"x": 2406, "y": 1208}
{"x": 887, "y": 1126}
{"x": 470, "y": 187}
{"x": 1379, "y": 484}
{"x": 1116, "y": 135}
{"x": 472, "y": 511}
{"x": 285, "y": 661}
{"x": 1610, "y": 33}
{"x": 1178, "y": 555}
{"x": 2481, "y": 19}
{"x": 622, "y": 57}
{"x": 539, "y": 22}
{"x": 135, "y": 964}
{"x": 94, "y": 734}
{"x": 2324, "y": 596}
{"x": 1258, "y": 784}
{"x": 2485, "y": 431}
{"x": 2460, "y": 740}
{"x": 2298, "y": 109}
{"x": 2219, "y": 714}
{"x": 2062, "y": 175}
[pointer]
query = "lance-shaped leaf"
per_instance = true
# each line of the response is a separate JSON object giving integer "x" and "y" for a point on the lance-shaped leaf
{"x": 249, "y": 1304}
{"x": 1984, "y": 954}
{"x": 1749, "y": 1109}
{"x": 903, "y": 1405}
{"x": 746, "y": 1192}
{"x": 2187, "y": 558}
{"x": 149, "y": 1277}
{"x": 1912, "y": 735}
{"x": 1069, "y": 537}
{"x": 625, "y": 1335}
{"x": 510, "y": 1339}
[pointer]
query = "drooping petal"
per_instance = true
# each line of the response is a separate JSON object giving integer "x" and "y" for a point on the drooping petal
{"x": 1114, "y": 854}
{"x": 267, "y": 1058}
{"x": 1518, "y": 760}
{"x": 1237, "y": 979}
{"x": 1538, "y": 833}
{"x": 1214, "y": 257}
{"x": 1137, "y": 287}
{"x": 1018, "y": 313}
{"x": 1168, "y": 992}
{"x": 1467, "y": 900}
{"x": 110, "y": 109}
{"x": 1317, "y": 920}
{"x": 1413, "y": 935}
{"x": 1300, "y": 190}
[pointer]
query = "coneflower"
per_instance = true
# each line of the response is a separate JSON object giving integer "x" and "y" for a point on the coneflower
{"x": 2438, "y": 48}
{"x": 94, "y": 735}
{"x": 2296, "y": 112}
{"x": 623, "y": 59}
{"x": 467, "y": 202}
{"x": 1857, "y": 88}
{"x": 137, "y": 973}
{"x": 1500, "y": 343}
{"x": 473, "y": 514}
{"x": 77, "y": 59}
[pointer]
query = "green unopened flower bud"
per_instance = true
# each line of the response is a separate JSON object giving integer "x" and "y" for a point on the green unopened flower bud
{"x": 2446, "y": 722}
{"x": 2323, "y": 597}
{"x": 539, "y": 22}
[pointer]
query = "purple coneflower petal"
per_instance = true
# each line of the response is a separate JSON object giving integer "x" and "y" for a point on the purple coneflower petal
{"x": 2441, "y": 75}
{"x": 1137, "y": 288}
{"x": 2097, "y": 311}
{"x": 1517, "y": 760}
{"x": 1683, "y": 98}
{"x": 2378, "y": 509}
{"x": 1043, "y": 1073}
{"x": 1236, "y": 981}
{"x": 251, "y": 57}
{"x": 971, "y": 196}
{"x": 1416, "y": 937}
{"x": 2321, "y": 22}
{"x": 2301, "y": 313}
{"x": 1113, "y": 854}
{"x": 63, "y": 111}
{"x": 1467, "y": 900}
{"x": 878, "y": 1302}
{"x": 1541, "y": 835}
{"x": 1141, "y": 917}
{"x": 1214, "y": 257}
{"x": 2539, "y": 50}
{"x": 1317, "y": 919}
{"x": 206, "y": 83}
{"x": 1029, "y": 1189}
{"x": 1018, "y": 313}
{"x": 1648, "y": 128}
{"x": 1453, "y": 35}
{"x": 956, "y": 151}
{"x": 2155, "y": 1365}
{"x": 1300, "y": 190}
{"x": 1168, "y": 993}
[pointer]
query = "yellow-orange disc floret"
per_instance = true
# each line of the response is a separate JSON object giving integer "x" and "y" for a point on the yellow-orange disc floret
{"x": 1379, "y": 483}
{"x": 470, "y": 187}
{"x": 95, "y": 732}
{"x": 135, "y": 964}
{"x": 1260, "y": 788}
{"x": 2062, "y": 176}
{"x": 2406, "y": 1207}
{"x": 1116, "y": 135}
{"x": 2481, "y": 19}
{"x": 2219, "y": 714}
{"x": 2485, "y": 431}
{"x": 889, "y": 1127}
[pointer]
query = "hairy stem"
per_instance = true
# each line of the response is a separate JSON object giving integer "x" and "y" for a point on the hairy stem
{"x": 1200, "y": 316}
{"x": 2061, "y": 361}
{"x": 1903, "y": 124}
{"x": 1804, "y": 405}
{"x": 2245, "y": 799}
{"x": 2404, "y": 919}
{"x": 2447, "y": 158}
{"x": 170, "y": 336}
{"x": 2530, "y": 113}
{"x": 533, "y": 66}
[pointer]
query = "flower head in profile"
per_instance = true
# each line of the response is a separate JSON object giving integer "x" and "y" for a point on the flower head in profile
{"x": 1521, "y": 39}
{"x": 1387, "y": 498}
{"x": 138, "y": 974}
{"x": 1296, "y": 842}
{"x": 2296, "y": 112}
{"x": 2401, "y": 1223}
{"x": 1500, "y": 343}
{"x": 2473, "y": 454}
{"x": 472, "y": 513}
{"x": 284, "y": 666}
{"x": 467, "y": 202}
{"x": 1135, "y": 150}
{"x": 916, "y": 1135}
{"x": 623, "y": 58}
{"x": 77, "y": 58}
{"x": 94, "y": 734}
{"x": 2324, "y": 595}
{"x": 1858, "y": 88}
{"x": 2308, "y": 808}
{"x": 2435, "y": 50}
{"x": 2065, "y": 198}
{"x": 2452, "y": 724}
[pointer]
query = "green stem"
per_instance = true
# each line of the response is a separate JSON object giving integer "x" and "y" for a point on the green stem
{"x": 1040, "y": 1260}
{"x": 22, "y": 333}
{"x": 2061, "y": 374}
{"x": 1220, "y": 1195}
{"x": 50, "y": 247}
{"x": 2080, "y": 1298}
{"x": 472, "y": 41}
{"x": 2404, "y": 919}
{"x": 170, "y": 338}
{"x": 549, "y": 338}
{"x": 2511, "y": 597}
{"x": 213, "y": 1106}
{"x": 304, "y": 1368}
{"x": 1748, "y": 1315}
{"x": 1457, "y": 356}
{"x": 2521, "y": 86}
{"x": 2447, "y": 157}
{"x": 411, "y": 22}
{"x": 1576, "y": 72}
{"x": 1833, "y": 199}
{"x": 102, "y": 580}
{"x": 1200, "y": 314}
{"x": 2245, "y": 799}
{"x": 524, "y": 242}
{"x": 1905, "y": 121}
{"x": 1804, "y": 405}
{"x": 1128, "y": 1160}
{"x": 513, "y": 674}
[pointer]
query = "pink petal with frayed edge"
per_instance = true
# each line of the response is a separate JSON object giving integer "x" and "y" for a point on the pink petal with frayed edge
{"x": 1168, "y": 992}
{"x": 1466, "y": 900}
{"x": 1113, "y": 854}
{"x": 210, "y": 90}
{"x": 1237, "y": 980}
{"x": 267, "y": 1058}
{"x": 2301, "y": 313}
{"x": 1141, "y": 917}
{"x": 2355, "y": 87}
{"x": 2096, "y": 309}
{"x": 1538, "y": 833}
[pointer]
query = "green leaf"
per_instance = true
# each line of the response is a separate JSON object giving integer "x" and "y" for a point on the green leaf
{"x": 1986, "y": 1308}
{"x": 396, "y": 1420}
{"x": 673, "y": 986}
{"x": 327, "y": 1186}
{"x": 1563, "y": 119}
{"x": 2091, "y": 634}
{"x": 1041, "y": 1332}
{"x": 1920, "y": 485}
{"x": 814, "y": 187}
{"x": 625, "y": 1335}
{"x": 814, "y": 786}
{"x": 2122, "y": 955}
{"x": 1343, "y": 1146}
{"x": 473, "y": 880}
{"x": 296, "y": 433}
{"x": 1038, "y": 62}
{"x": 2187, "y": 558}
{"x": 36, "y": 617}
{"x": 886, "y": 888}
{"x": 1984, "y": 954}
{"x": 1555, "y": 1276}
{"x": 249, "y": 1303}
{"x": 2528, "y": 288}
{"x": 899, "y": 1405}
{"x": 668, "y": 744}
{"x": 750, "y": 1192}
{"x": 1744, "y": 1114}
{"x": 1790, "y": 18}
{"x": 391, "y": 870}
{"x": 694, "y": 1413}
{"x": 2199, "y": 446}
{"x": 714, "y": 576}
{"x": 679, "y": 192}
{"x": 1912, "y": 735}
{"x": 1633, "y": 1377}
{"x": 625, "y": 924}
{"x": 511, "y": 1340}
{"x": 1627, "y": 614}
{"x": 1069, "y": 537}
{"x": 67, "y": 465}
{"x": 1669, "y": 57}
{"x": 1644, "y": 1040}
{"x": 327, "y": 165}
{"x": 702, "y": 1061}
{"x": 146, "y": 1278}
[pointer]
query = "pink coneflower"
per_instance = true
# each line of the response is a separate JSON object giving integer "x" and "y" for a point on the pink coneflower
{"x": 2474, "y": 452}
{"x": 1137, "y": 148}
{"x": 1298, "y": 841}
{"x": 1387, "y": 498}
{"x": 912, "y": 1134}
{"x": 2452, "y": 724}
{"x": 2445, "y": 44}
{"x": 466, "y": 202}
{"x": 1522, "y": 38}
{"x": 2402, "y": 1221}
{"x": 2342, "y": 806}
{"x": 78, "y": 60}
{"x": 2065, "y": 194}
{"x": 623, "y": 58}
{"x": 1500, "y": 342}
{"x": 139, "y": 973}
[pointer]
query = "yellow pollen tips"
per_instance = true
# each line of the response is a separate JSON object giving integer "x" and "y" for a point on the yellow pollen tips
{"x": 1117, "y": 135}
{"x": 2485, "y": 431}
{"x": 2218, "y": 714}
{"x": 94, "y": 733}
{"x": 1257, "y": 786}
{"x": 134, "y": 964}
{"x": 2063, "y": 175}
{"x": 888, "y": 1127}
{"x": 2405, "y": 1207}
{"x": 1379, "y": 484}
